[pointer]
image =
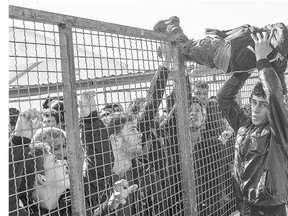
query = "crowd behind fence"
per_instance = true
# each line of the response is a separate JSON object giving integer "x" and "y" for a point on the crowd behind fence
{"x": 68, "y": 62}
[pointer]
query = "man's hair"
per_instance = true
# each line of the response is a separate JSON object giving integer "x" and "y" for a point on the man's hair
{"x": 48, "y": 101}
{"x": 212, "y": 98}
{"x": 58, "y": 106}
{"x": 258, "y": 90}
{"x": 116, "y": 122}
{"x": 202, "y": 84}
{"x": 33, "y": 164}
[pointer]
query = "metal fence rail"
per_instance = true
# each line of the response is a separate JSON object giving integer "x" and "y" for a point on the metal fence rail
{"x": 62, "y": 57}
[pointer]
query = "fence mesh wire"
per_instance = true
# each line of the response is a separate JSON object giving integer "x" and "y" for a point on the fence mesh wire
{"x": 116, "y": 74}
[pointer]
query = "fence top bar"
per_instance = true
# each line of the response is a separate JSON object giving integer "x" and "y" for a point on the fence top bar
{"x": 33, "y": 15}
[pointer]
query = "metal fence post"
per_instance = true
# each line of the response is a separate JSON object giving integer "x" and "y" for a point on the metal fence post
{"x": 184, "y": 133}
{"x": 72, "y": 120}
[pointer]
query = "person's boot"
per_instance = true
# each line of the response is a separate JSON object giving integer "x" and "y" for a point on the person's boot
{"x": 171, "y": 27}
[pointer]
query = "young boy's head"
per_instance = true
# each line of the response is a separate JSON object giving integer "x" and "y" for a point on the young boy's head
{"x": 45, "y": 177}
{"x": 50, "y": 118}
{"x": 55, "y": 138}
{"x": 53, "y": 116}
{"x": 259, "y": 105}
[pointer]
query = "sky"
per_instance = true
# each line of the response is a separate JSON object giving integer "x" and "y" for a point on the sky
{"x": 194, "y": 16}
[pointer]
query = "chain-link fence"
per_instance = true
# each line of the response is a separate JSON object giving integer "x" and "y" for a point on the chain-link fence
{"x": 97, "y": 83}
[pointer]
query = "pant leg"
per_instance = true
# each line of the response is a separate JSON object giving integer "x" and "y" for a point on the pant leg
{"x": 277, "y": 210}
{"x": 211, "y": 52}
{"x": 254, "y": 210}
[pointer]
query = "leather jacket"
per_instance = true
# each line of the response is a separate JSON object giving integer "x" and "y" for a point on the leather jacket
{"x": 261, "y": 151}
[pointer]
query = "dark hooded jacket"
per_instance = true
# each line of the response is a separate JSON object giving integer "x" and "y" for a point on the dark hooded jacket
{"x": 18, "y": 150}
{"x": 261, "y": 151}
{"x": 149, "y": 198}
{"x": 211, "y": 166}
{"x": 99, "y": 163}
{"x": 170, "y": 164}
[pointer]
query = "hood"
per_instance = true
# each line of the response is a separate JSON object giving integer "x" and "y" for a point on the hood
{"x": 98, "y": 147}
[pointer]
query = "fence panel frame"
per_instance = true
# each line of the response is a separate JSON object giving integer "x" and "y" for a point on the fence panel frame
{"x": 185, "y": 141}
{"x": 70, "y": 86}
{"x": 75, "y": 157}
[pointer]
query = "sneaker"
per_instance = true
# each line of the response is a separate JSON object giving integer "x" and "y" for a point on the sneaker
{"x": 171, "y": 27}
{"x": 280, "y": 39}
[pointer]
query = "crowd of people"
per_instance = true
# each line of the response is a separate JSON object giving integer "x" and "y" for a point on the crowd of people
{"x": 132, "y": 159}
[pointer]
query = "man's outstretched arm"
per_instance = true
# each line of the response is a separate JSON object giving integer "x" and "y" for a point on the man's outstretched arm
{"x": 227, "y": 100}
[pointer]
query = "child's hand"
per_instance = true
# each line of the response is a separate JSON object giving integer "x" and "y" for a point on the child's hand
{"x": 87, "y": 103}
{"x": 121, "y": 192}
{"x": 27, "y": 123}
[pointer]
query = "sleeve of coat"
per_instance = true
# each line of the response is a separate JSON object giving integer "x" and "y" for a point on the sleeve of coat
{"x": 227, "y": 100}
{"x": 153, "y": 99}
{"x": 277, "y": 114}
{"x": 16, "y": 165}
{"x": 156, "y": 194}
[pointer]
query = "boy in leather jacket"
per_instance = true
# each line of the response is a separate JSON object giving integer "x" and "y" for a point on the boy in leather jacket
{"x": 260, "y": 173}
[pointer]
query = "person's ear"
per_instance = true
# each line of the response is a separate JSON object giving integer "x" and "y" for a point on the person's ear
{"x": 115, "y": 140}
{"x": 112, "y": 138}
{"x": 40, "y": 179}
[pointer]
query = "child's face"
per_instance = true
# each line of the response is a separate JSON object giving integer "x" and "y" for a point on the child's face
{"x": 49, "y": 121}
{"x": 56, "y": 172}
